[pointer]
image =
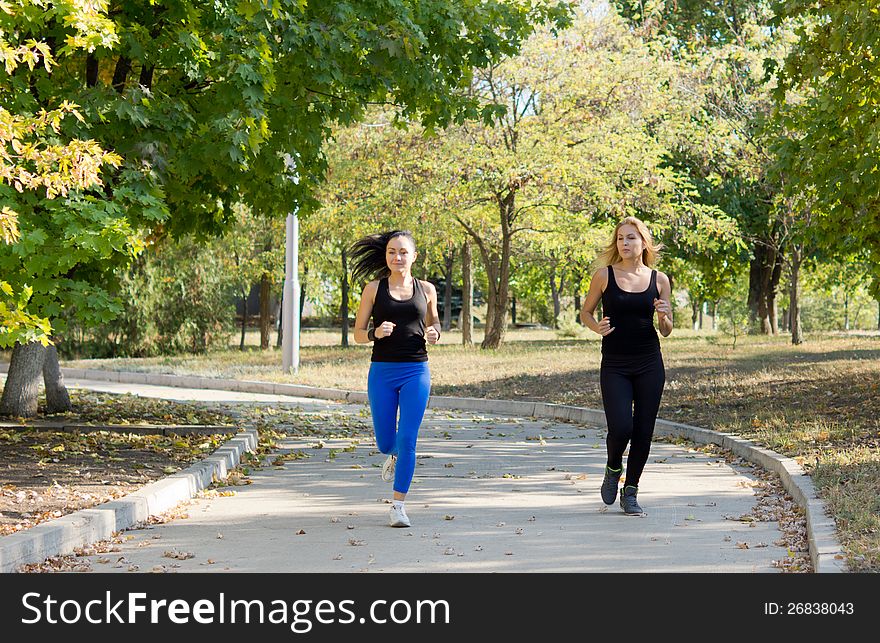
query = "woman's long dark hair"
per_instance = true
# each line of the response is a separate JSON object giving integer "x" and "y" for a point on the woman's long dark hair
{"x": 368, "y": 255}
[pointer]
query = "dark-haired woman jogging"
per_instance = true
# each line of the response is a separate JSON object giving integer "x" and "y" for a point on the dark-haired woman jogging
{"x": 404, "y": 318}
{"x": 632, "y": 373}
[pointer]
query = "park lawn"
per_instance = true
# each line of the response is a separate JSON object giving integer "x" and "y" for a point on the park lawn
{"x": 818, "y": 402}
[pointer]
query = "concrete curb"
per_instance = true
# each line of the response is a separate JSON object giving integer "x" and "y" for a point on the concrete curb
{"x": 62, "y": 535}
{"x": 826, "y": 551}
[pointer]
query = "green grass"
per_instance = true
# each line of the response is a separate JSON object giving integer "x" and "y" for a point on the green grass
{"x": 818, "y": 402}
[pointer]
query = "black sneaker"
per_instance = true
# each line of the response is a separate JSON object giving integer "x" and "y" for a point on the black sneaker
{"x": 609, "y": 485}
{"x": 628, "y": 501}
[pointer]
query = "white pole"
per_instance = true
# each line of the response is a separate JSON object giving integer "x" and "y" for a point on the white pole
{"x": 290, "y": 299}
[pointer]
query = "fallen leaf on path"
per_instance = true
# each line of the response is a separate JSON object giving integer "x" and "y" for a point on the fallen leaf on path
{"x": 742, "y": 545}
{"x": 356, "y": 543}
{"x": 448, "y": 517}
{"x": 301, "y": 532}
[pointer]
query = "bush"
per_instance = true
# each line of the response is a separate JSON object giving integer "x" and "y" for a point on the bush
{"x": 177, "y": 298}
{"x": 569, "y": 326}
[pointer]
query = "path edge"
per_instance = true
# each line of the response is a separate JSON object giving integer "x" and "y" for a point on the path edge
{"x": 826, "y": 552}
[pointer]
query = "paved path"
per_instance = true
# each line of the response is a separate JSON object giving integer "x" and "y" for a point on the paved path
{"x": 490, "y": 494}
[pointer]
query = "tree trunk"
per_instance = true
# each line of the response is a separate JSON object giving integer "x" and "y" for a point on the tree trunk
{"x": 57, "y": 397}
{"x": 91, "y": 70}
{"x": 343, "y": 307}
{"x": 554, "y": 291}
{"x": 23, "y": 380}
{"x": 765, "y": 271}
{"x": 264, "y": 311}
{"x": 772, "y": 306}
{"x": 794, "y": 310}
{"x": 695, "y": 314}
{"x": 577, "y": 308}
{"x": 513, "y": 310}
{"x": 845, "y": 310}
{"x": 702, "y": 309}
{"x": 499, "y": 286}
{"x": 447, "y": 289}
{"x": 244, "y": 316}
{"x": 279, "y": 321}
{"x": 302, "y": 292}
{"x": 120, "y": 74}
{"x": 715, "y": 315}
{"x": 467, "y": 296}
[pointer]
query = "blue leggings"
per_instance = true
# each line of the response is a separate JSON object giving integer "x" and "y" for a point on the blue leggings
{"x": 407, "y": 386}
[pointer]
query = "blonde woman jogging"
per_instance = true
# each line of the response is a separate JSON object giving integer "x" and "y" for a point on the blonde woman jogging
{"x": 632, "y": 374}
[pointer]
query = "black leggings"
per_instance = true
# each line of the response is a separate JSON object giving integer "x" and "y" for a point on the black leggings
{"x": 631, "y": 390}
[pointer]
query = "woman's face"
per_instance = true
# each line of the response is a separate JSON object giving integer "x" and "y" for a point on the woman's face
{"x": 629, "y": 242}
{"x": 400, "y": 253}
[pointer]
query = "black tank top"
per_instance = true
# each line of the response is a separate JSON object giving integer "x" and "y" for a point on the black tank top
{"x": 407, "y": 342}
{"x": 632, "y": 317}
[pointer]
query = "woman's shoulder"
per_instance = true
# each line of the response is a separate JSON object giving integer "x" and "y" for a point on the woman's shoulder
{"x": 372, "y": 287}
{"x": 662, "y": 278}
{"x": 427, "y": 286}
{"x": 601, "y": 274}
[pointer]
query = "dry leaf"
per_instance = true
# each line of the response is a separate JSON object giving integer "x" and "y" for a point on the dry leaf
{"x": 301, "y": 532}
{"x": 742, "y": 545}
{"x": 448, "y": 517}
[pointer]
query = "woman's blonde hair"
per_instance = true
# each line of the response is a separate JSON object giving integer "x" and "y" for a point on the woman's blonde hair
{"x": 650, "y": 253}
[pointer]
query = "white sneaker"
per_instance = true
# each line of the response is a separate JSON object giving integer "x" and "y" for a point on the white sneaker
{"x": 388, "y": 468}
{"x": 398, "y": 517}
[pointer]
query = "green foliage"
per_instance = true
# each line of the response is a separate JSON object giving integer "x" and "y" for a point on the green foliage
{"x": 178, "y": 297}
{"x": 17, "y": 325}
{"x": 207, "y": 105}
{"x": 828, "y": 101}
